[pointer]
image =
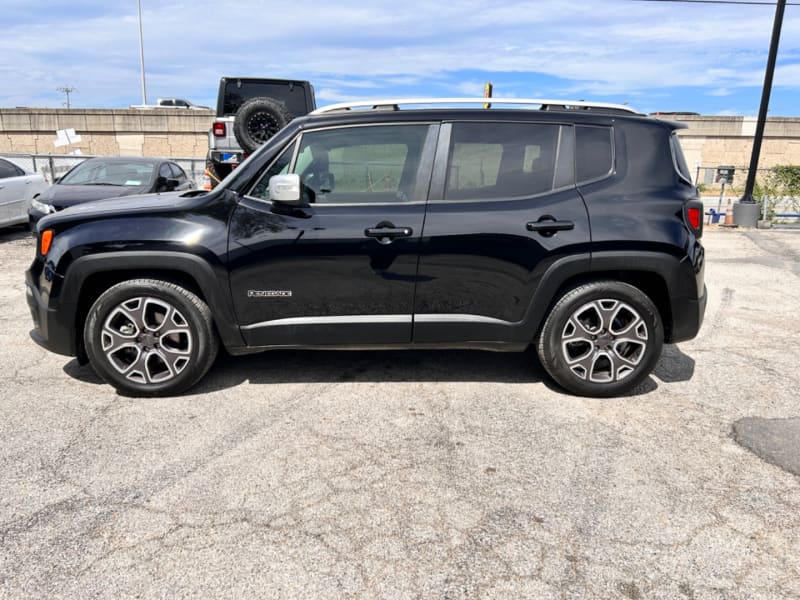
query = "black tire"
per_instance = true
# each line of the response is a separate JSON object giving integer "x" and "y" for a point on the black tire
{"x": 601, "y": 339}
{"x": 217, "y": 172}
{"x": 129, "y": 347}
{"x": 257, "y": 120}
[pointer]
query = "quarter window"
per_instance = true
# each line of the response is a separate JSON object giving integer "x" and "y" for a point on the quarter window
{"x": 594, "y": 153}
{"x": 504, "y": 160}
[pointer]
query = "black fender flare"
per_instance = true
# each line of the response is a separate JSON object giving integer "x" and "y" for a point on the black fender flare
{"x": 677, "y": 276}
{"x": 213, "y": 285}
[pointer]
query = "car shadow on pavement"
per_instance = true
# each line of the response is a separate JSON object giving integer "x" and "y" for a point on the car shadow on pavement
{"x": 338, "y": 366}
{"x": 332, "y": 366}
{"x": 327, "y": 366}
{"x": 15, "y": 233}
{"x": 84, "y": 373}
{"x": 674, "y": 365}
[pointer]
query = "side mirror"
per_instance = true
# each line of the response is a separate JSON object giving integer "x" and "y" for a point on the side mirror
{"x": 166, "y": 185}
{"x": 285, "y": 188}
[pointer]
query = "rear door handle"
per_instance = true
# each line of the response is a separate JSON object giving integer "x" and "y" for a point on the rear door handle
{"x": 547, "y": 225}
{"x": 385, "y": 235}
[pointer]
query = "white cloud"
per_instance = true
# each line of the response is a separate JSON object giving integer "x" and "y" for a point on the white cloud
{"x": 348, "y": 49}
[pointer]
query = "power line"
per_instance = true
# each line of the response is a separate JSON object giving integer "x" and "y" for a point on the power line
{"x": 745, "y": 2}
{"x": 67, "y": 89}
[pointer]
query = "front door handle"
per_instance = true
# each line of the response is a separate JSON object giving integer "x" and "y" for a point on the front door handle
{"x": 548, "y": 225}
{"x": 385, "y": 232}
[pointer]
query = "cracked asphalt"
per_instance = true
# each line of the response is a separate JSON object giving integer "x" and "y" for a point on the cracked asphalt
{"x": 413, "y": 474}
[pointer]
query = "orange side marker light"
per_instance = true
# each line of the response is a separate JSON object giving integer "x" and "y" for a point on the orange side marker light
{"x": 45, "y": 241}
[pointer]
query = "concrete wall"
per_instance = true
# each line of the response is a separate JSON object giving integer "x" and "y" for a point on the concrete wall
{"x": 708, "y": 142}
{"x": 715, "y": 141}
{"x": 129, "y": 132}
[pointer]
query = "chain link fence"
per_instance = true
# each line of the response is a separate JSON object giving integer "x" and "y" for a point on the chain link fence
{"x": 719, "y": 193}
{"x": 53, "y": 166}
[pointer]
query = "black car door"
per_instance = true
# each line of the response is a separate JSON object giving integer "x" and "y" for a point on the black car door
{"x": 503, "y": 209}
{"x": 341, "y": 269}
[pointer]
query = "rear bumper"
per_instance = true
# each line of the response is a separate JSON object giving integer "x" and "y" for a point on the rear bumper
{"x": 223, "y": 157}
{"x": 688, "y": 314}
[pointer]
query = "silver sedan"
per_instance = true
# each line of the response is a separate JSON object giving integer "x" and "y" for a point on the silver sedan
{"x": 18, "y": 188}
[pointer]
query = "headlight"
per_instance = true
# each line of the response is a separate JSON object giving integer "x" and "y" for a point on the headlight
{"x": 42, "y": 207}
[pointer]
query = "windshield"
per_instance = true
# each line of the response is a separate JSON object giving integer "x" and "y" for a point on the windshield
{"x": 120, "y": 173}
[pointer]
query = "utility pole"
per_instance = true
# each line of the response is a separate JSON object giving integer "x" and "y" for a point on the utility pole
{"x": 141, "y": 54}
{"x": 762, "y": 113}
{"x": 67, "y": 89}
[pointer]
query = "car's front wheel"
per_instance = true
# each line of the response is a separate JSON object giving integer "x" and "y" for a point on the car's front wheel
{"x": 601, "y": 339}
{"x": 148, "y": 337}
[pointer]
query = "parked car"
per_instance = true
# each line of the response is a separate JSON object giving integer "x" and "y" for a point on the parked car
{"x": 109, "y": 177}
{"x": 18, "y": 188}
{"x": 569, "y": 226}
{"x": 172, "y": 103}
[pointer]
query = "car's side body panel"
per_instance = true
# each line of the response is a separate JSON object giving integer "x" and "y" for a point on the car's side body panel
{"x": 464, "y": 270}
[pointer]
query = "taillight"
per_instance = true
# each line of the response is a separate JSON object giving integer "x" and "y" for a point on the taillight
{"x": 45, "y": 241}
{"x": 219, "y": 129}
{"x": 694, "y": 216}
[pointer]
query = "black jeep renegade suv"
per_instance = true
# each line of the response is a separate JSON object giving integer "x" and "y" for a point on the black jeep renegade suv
{"x": 572, "y": 226}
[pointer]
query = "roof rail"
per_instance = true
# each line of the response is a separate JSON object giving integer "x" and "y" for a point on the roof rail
{"x": 543, "y": 104}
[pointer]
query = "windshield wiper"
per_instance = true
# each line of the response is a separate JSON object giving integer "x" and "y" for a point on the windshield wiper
{"x": 101, "y": 183}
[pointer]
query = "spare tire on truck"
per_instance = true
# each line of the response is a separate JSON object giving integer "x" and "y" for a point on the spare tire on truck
{"x": 259, "y": 119}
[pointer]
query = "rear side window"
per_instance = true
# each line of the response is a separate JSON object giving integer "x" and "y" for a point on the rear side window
{"x": 594, "y": 153}
{"x": 504, "y": 160}
{"x": 8, "y": 169}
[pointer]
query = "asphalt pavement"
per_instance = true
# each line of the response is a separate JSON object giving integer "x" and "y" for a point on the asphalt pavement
{"x": 415, "y": 474}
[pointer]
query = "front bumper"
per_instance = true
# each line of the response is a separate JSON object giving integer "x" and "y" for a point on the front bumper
{"x": 48, "y": 330}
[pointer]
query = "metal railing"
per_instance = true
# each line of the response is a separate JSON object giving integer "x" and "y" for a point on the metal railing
{"x": 53, "y": 166}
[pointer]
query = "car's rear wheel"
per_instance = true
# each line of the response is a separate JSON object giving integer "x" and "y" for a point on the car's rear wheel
{"x": 148, "y": 337}
{"x": 601, "y": 339}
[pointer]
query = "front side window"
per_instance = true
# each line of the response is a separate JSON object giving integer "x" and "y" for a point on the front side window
{"x": 279, "y": 166}
{"x": 368, "y": 164}
{"x": 177, "y": 172}
{"x": 504, "y": 160}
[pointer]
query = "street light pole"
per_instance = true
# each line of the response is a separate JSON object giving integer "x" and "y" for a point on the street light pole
{"x": 762, "y": 112}
{"x": 141, "y": 54}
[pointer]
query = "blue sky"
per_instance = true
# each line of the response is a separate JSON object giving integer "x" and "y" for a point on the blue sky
{"x": 656, "y": 56}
